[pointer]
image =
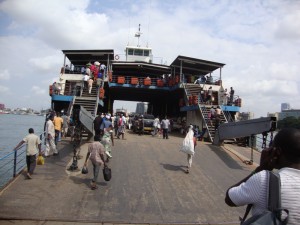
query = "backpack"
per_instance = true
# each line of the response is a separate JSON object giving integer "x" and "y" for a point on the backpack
{"x": 273, "y": 215}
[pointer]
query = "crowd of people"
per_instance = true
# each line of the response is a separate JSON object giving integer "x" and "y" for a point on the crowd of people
{"x": 56, "y": 127}
{"x": 92, "y": 73}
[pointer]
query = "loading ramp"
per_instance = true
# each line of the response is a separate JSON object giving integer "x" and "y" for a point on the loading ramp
{"x": 244, "y": 129}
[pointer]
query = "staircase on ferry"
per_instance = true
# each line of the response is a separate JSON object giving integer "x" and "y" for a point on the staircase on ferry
{"x": 195, "y": 89}
{"x": 88, "y": 103}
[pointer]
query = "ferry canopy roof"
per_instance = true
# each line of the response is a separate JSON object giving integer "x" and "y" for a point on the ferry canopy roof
{"x": 140, "y": 69}
{"x": 193, "y": 66}
{"x": 82, "y": 57}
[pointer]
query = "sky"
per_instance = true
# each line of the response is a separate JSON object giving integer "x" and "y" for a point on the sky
{"x": 258, "y": 40}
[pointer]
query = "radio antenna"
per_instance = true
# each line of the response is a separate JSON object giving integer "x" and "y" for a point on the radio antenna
{"x": 128, "y": 33}
{"x": 138, "y": 35}
{"x": 148, "y": 22}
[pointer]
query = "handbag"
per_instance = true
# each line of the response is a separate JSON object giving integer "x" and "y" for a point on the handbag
{"x": 84, "y": 170}
{"x": 40, "y": 160}
{"x": 106, "y": 173}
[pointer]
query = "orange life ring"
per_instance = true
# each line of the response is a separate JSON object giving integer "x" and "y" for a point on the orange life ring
{"x": 117, "y": 57}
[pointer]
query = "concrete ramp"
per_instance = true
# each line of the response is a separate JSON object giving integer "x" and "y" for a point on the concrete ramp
{"x": 149, "y": 186}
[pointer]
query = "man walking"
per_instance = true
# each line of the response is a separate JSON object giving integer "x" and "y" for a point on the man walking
{"x": 66, "y": 121}
{"x": 165, "y": 123}
{"x": 33, "y": 144}
{"x": 58, "y": 123}
{"x": 50, "y": 135}
{"x": 97, "y": 123}
{"x": 96, "y": 153}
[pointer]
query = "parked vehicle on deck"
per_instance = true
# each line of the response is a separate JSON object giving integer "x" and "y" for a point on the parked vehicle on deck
{"x": 148, "y": 120}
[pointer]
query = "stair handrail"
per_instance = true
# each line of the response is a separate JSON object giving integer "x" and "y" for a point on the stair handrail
{"x": 97, "y": 97}
{"x": 223, "y": 114}
{"x": 205, "y": 120}
{"x": 186, "y": 99}
{"x": 228, "y": 116}
{"x": 69, "y": 112}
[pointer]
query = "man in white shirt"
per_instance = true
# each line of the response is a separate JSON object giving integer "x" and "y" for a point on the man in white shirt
{"x": 284, "y": 155}
{"x": 49, "y": 136}
{"x": 165, "y": 123}
{"x": 86, "y": 81}
{"x": 209, "y": 96}
{"x": 33, "y": 145}
{"x": 155, "y": 126}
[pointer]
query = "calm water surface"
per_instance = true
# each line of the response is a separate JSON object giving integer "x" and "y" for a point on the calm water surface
{"x": 15, "y": 127}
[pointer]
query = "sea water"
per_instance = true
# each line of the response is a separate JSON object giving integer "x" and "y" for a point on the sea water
{"x": 13, "y": 128}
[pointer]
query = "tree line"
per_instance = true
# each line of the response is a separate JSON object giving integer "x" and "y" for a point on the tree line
{"x": 290, "y": 121}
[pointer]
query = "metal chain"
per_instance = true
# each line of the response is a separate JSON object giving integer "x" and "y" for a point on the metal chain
{"x": 271, "y": 139}
{"x": 264, "y": 142}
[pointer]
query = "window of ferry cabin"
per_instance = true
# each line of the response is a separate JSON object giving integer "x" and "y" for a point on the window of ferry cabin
{"x": 130, "y": 51}
{"x": 138, "y": 52}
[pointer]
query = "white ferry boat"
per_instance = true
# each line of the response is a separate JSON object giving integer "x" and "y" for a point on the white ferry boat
{"x": 170, "y": 90}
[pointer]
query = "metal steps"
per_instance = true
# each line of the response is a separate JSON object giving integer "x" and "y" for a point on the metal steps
{"x": 210, "y": 125}
{"x": 195, "y": 90}
{"x": 88, "y": 101}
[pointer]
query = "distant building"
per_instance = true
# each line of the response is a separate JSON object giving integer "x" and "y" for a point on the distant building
{"x": 274, "y": 115}
{"x": 285, "y": 106}
{"x": 289, "y": 113}
{"x": 124, "y": 111}
{"x": 2, "y": 106}
{"x": 244, "y": 116}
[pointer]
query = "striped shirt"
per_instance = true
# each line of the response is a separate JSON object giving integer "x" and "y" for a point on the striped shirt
{"x": 254, "y": 191}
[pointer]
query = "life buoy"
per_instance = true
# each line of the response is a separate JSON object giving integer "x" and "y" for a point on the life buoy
{"x": 117, "y": 57}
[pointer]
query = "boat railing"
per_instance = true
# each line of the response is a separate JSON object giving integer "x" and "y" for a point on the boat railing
{"x": 14, "y": 162}
{"x": 70, "y": 88}
{"x": 144, "y": 80}
{"x": 99, "y": 87}
{"x": 191, "y": 79}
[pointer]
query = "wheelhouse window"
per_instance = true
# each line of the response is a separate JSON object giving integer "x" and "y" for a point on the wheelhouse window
{"x": 138, "y": 52}
{"x": 146, "y": 52}
{"x": 130, "y": 51}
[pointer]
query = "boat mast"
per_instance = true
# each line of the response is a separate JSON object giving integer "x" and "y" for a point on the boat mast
{"x": 138, "y": 35}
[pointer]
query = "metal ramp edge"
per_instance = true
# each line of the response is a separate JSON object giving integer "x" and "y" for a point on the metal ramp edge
{"x": 86, "y": 119}
{"x": 244, "y": 128}
{"x": 87, "y": 113}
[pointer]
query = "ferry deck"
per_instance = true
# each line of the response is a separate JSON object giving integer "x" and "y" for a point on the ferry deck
{"x": 148, "y": 186}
